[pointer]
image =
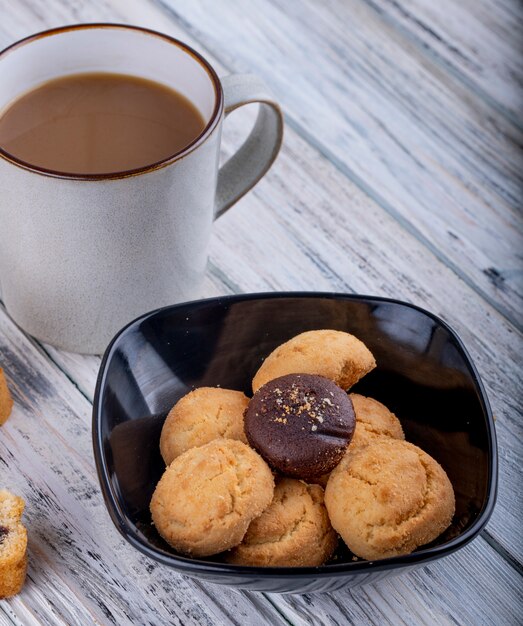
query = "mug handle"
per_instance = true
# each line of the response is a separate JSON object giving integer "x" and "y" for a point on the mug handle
{"x": 255, "y": 156}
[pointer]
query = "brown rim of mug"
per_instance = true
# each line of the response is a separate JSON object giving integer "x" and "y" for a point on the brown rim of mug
{"x": 210, "y": 126}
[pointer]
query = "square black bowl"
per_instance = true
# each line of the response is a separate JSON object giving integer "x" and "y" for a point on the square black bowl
{"x": 424, "y": 375}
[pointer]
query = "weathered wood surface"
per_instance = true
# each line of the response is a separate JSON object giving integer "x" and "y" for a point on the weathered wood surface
{"x": 417, "y": 141}
{"x": 480, "y": 42}
{"x": 307, "y": 226}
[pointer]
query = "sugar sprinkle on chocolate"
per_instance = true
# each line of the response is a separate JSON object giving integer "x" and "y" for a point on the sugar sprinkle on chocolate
{"x": 304, "y": 414}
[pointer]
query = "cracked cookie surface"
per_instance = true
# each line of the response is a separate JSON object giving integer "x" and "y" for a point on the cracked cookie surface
{"x": 373, "y": 421}
{"x": 337, "y": 355}
{"x": 13, "y": 544}
{"x": 294, "y": 531}
{"x": 208, "y": 496}
{"x": 389, "y": 498}
{"x": 205, "y": 414}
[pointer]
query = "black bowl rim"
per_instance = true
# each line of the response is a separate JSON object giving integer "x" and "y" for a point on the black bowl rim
{"x": 197, "y": 567}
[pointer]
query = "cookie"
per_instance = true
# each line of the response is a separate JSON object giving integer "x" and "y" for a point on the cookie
{"x": 201, "y": 416}
{"x": 6, "y": 402}
{"x": 373, "y": 421}
{"x": 294, "y": 531}
{"x": 301, "y": 424}
{"x": 337, "y": 355}
{"x": 13, "y": 545}
{"x": 209, "y": 495}
{"x": 388, "y": 499}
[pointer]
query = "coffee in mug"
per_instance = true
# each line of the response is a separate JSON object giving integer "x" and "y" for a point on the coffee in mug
{"x": 97, "y": 123}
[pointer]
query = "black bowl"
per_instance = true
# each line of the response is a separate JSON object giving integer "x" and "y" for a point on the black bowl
{"x": 424, "y": 375}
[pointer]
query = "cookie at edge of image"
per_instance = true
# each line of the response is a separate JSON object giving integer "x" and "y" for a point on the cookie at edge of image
{"x": 13, "y": 545}
{"x": 6, "y": 401}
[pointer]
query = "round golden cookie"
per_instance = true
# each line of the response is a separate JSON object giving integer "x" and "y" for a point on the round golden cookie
{"x": 339, "y": 356}
{"x": 294, "y": 531}
{"x": 373, "y": 421}
{"x": 208, "y": 496}
{"x": 388, "y": 499}
{"x": 201, "y": 416}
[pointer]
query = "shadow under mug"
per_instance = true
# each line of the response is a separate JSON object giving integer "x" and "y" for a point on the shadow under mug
{"x": 82, "y": 255}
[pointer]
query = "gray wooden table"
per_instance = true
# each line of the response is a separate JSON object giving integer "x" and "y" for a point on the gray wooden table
{"x": 401, "y": 176}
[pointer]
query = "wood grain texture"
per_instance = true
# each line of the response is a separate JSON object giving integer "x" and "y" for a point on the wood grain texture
{"x": 441, "y": 161}
{"x": 479, "y": 41}
{"x": 306, "y": 227}
{"x": 452, "y": 591}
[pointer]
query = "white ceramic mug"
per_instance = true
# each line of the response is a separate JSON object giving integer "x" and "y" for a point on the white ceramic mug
{"x": 80, "y": 256}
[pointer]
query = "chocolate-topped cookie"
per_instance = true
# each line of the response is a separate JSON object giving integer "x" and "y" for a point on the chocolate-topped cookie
{"x": 301, "y": 424}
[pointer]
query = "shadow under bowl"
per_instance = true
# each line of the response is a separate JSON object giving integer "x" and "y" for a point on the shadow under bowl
{"x": 423, "y": 374}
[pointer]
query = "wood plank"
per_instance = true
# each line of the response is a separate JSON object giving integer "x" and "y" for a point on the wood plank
{"x": 455, "y": 590}
{"x": 8, "y": 617}
{"x": 478, "y": 40}
{"x": 438, "y": 159}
